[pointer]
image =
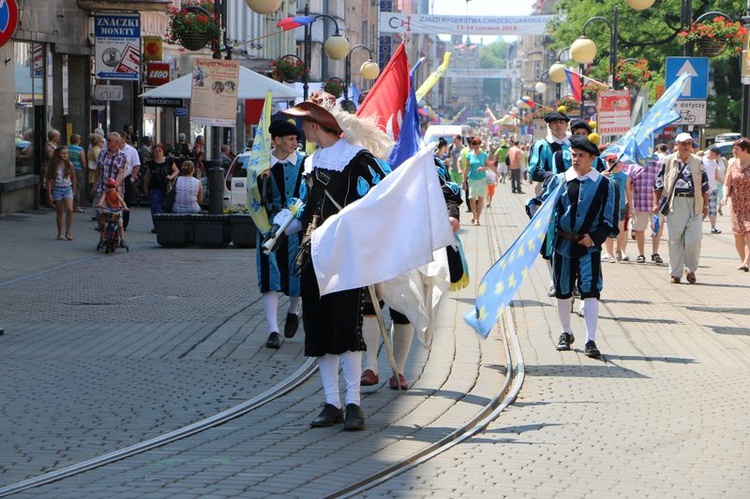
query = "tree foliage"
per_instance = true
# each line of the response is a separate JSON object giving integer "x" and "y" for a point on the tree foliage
{"x": 652, "y": 34}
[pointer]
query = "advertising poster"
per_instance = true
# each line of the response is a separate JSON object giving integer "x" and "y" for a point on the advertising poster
{"x": 118, "y": 46}
{"x": 213, "y": 94}
{"x": 614, "y": 112}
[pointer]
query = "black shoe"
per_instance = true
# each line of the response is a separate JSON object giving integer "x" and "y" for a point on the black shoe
{"x": 273, "y": 341}
{"x": 566, "y": 339}
{"x": 291, "y": 325}
{"x": 355, "y": 418}
{"x": 590, "y": 350}
{"x": 329, "y": 416}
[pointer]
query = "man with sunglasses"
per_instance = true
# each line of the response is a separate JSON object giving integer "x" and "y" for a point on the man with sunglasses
{"x": 684, "y": 183}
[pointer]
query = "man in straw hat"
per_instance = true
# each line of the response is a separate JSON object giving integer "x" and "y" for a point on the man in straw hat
{"x": 586, "y": 215}
{"x": 342, "y": 170}
{"x": 278, "y": 188}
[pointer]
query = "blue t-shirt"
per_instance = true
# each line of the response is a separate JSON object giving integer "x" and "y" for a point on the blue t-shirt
{"x": 621, "y": 180}
{"x": 74, "y": 154}
{"x": 475, "y": 161}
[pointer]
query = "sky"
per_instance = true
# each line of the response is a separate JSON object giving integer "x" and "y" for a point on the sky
{"x": 484, "y": 8}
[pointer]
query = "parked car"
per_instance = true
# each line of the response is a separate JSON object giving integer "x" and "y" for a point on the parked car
{"x": 727, "y": 137}
{"x": 235, "y": 181}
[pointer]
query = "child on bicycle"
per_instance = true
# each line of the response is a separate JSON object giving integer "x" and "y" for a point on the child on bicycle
{"x": 111, "y": 206}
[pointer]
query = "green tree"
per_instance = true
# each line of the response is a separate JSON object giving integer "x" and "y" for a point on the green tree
{"x": 652, "y": 34}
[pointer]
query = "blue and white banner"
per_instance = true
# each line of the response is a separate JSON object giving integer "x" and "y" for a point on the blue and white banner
{"x": 118, "y": 46}
{"x": 393, "y": 22}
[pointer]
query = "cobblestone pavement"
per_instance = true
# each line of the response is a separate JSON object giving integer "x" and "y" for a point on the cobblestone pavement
{"x": 102, "y": 351}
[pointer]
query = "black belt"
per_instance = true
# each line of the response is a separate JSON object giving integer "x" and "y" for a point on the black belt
{"x": 570, "y": 236}
{"x": 683, "y": 194}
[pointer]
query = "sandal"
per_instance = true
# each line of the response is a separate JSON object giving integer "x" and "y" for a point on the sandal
{"x": 640, "y": 259}
{"x": 60, "y": 238}
{"x": 656, "y": 258}
{"x": 69, "y": 236}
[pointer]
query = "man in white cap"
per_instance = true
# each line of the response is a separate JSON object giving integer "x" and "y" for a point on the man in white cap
{"x": 684, "y": 185}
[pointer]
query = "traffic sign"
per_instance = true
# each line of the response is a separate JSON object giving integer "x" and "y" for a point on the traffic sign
{"x": 697, "y": 67}
{"x": 692, "y": 112}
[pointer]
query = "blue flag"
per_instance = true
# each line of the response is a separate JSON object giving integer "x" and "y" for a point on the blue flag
{"x": 501, "y": 282}
{"x": 410, "y": 134}
{"x": 636, "y": 146}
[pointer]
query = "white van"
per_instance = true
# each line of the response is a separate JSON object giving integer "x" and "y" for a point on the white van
{"x": 434, "y": 132}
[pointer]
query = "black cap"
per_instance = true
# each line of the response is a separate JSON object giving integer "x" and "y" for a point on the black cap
{"x": 282, "y": 128}
{"x": 556, "y": 116}
{"x": 584, "y": 144}
{"x": 715, "y": 149}
{"x": 579, "y": 123}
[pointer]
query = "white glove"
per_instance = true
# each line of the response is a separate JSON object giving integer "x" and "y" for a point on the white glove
{"x": 282, "y": 217}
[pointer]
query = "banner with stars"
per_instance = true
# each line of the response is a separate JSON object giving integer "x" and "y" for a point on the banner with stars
{"x": 501, "y": 282}
{"x": 259, "y": 162}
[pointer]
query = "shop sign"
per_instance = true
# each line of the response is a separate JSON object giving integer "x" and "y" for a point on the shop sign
{"x": 162, "y": 102}
{"x": 152, "y": 48}
{"x": 118, "y": 42}
{"x": 8, "y": 19}
{"x": 157, "y": 73}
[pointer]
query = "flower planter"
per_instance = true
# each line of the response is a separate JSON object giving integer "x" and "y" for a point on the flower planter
{"x": 243, "y": 231}
{"x": 173, "y": 230}
{"x": 211, "y": 230}
{"x": 193, "y": 41}
{"x": 710, "y": 48}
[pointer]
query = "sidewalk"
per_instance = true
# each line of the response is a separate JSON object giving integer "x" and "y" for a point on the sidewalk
{"x": 101, "y": 351}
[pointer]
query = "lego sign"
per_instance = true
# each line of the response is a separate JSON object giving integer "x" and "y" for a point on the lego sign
{"x": 8, "y": 19}
{"x": 157, "y": 73}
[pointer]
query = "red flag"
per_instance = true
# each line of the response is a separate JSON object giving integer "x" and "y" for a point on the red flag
{"x": 387, "y": 98}
{"x": 574, "y": 80}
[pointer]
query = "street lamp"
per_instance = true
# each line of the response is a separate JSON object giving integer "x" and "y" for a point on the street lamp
{"x": 336, "y": 46}
{"x": 583, "y": 50}
{"x": 369, "y": 70}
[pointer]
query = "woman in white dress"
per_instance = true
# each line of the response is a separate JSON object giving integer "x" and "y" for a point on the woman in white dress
{"x": 189, "y": 192}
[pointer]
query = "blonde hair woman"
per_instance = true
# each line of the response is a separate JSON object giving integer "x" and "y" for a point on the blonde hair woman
{"x": 189, "y": 190}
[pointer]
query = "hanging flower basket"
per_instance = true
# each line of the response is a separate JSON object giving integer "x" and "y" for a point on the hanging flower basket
{"x": 193, "y": 25}
{"x": 709, "y": 47}
{"x": 633, "y": 73}
{"x": 334, "y": 86}
{"x": 288, "y": 68}
{"x": 193, "y": 41}
{"x": 715, "y": 37}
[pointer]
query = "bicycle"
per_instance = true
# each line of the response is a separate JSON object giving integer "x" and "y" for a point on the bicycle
{"x": 109, "y": 223}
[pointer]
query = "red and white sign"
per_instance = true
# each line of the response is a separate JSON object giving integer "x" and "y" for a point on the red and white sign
{"x": 613, "y": 109}
{"x": 8, "y": 19}
{"x": 157, "y": 73}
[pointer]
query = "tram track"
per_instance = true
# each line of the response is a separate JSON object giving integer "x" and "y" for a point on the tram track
{"x": 506, "y": 393}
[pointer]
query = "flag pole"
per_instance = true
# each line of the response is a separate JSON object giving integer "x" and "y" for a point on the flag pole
{"x": 384, "y": 332}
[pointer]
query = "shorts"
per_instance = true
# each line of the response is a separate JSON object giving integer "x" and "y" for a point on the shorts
{"x": 490, "y": 190}
{"x": 641, "y": 220}
{"x": 62, "y": 192}
{"x": 477, "y": 188}
{"x": 712, "y": 202}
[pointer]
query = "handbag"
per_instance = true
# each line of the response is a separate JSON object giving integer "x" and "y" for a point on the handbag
{"x": 168, "y": 203}
{"x": 664, "y": 205}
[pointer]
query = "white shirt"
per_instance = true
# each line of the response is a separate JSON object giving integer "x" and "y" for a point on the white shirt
{"x": 133, "y": 158}
{"x": 711, "y": 165}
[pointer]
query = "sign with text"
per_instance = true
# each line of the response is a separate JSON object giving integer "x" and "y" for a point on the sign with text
{"x": 393, "y": 22}
{"x": 118, "y": 46}
{"x": 157, "y": 73}
{"x": 108, "y": 92}
{"x": 692, "y": 112}
{"x": 613, "y": 111}
{"x": 162, "y": 102}
{"x": 213, "y": 95}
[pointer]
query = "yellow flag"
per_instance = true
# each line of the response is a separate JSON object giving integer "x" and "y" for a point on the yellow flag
{"x": 258, "y": 162}
{"x": 433, "y": 78}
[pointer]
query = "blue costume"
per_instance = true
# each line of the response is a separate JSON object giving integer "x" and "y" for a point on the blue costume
{"x": 544, "y": 160}
{"x": 587, "y": 205}
{"x": 278, "y": 189}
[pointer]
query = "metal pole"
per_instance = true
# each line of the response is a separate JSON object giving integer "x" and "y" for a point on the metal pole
{"x": 613, "y": 43}
{"x": 308, "y": 55}
{"x": 687, "y": 19}
{"x": 347, "y": 74}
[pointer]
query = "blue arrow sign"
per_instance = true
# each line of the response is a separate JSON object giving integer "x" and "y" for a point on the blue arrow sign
{"x": 113, "y": 75}
{"x": 696, "y": 87}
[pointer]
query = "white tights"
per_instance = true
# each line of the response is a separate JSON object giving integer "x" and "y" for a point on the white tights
{"x": 401, "y": 336}
{"x": 270, "y": 303}
{"x": 351, "y": 366}
{"x": 590, "y": 315}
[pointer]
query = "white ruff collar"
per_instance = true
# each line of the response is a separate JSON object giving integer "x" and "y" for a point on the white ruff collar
{"x": 551, "y": 139}
{"x": 335, "y": 157}
{"x": 571, "y": 174}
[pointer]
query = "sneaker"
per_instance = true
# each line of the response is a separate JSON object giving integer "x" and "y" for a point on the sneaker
{"x": 566, "y": 339}
{"x": 551, "y": 290}
{"x": 656, "y": 258}
{"x": 714, "y": 230}
{"x": 624, "y": 257}
{"x": 608, "y": 258}
{"x": 590, "y": 349}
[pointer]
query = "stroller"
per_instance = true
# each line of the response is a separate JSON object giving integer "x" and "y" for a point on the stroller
{"x": 109, "y": 224}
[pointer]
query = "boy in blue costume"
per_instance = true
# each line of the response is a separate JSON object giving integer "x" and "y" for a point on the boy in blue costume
{"x": 585, "y": 215}
{"x": 280, "y": 186}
